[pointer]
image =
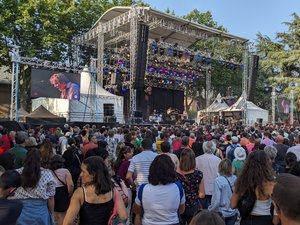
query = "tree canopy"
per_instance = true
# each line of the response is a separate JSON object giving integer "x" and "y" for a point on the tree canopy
{"x": 280, "y": 60}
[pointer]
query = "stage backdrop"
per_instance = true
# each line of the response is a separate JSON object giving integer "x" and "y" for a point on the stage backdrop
{"x": 161, "y": 99}
{"x": 41, "y": 86}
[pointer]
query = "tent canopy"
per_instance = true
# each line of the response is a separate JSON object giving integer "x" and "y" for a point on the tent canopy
{"x": 240, "y": 105}
{"x": 253, "y": 112}
{"x": 43, "y": 116}
{"x": 217, "y": 105}
{"x": 22, "y": 112}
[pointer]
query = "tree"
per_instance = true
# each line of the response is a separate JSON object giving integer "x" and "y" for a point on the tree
{"x": 280, "y": 60}
{"x": 221, "y": 72}
{"x": 203, "y": 18}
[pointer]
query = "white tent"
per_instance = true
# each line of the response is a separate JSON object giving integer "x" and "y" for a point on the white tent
{"x": 218, "y": 105}
{"x": 253, "y": 112}
{"x": 74, "y": 110}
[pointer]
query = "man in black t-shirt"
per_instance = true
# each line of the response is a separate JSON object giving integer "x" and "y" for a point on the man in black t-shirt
{"x": 10, "y": 210}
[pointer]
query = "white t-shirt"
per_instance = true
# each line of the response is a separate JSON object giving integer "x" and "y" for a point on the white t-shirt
{"x": 160, "y": 204}
{"x": 140, "y": 165}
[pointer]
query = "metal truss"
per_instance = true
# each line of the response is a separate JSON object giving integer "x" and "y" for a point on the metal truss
{"x": 244, "y": 82}
{"x": 92, "y": 90}
{"x": 16, "y": 60}
{"x": 133, "y": 60}
{"x": 208, "y": 86}
{"x": 100, "y": 55}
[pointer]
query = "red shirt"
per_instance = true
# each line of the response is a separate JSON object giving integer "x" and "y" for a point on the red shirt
{"x": 5, "y": 143}
{"x": 87, "y": 147}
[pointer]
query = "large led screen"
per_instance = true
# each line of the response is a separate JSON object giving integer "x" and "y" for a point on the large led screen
{"x": 55, "y": 84}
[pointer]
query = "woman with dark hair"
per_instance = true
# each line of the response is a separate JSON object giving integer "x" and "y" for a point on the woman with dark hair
{"x": 162, "y": 198}
{"x": 94, "y": 200}
{"x": 64, "y": 188}
{"x": 37, "y": 191}
{"x": 255, "y": 182}
{"x": 121, "y": 168}
{"x": 206, "y": 217}
{"x": 290, "y": 160}
{"x": 46, "y": 153}
{"x": 122, "y": 162}
{"x": 192, "y": 182}
{"x": 73, "y": 157}
{"x": 197, "y": 145}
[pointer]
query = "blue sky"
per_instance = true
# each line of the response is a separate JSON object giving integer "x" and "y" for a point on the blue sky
{"x": 243, "y": 18}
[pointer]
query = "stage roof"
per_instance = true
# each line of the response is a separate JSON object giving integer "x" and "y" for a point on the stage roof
{"x": 160, "y": 24}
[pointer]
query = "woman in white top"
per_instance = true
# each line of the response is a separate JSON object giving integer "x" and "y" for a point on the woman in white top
{"x": 162, "y": 199}
{"x": 257, "y": 177}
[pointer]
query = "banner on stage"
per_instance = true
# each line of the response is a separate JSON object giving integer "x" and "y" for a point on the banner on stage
{"x": 283, "y": 105}
{"x": 55, "y": 84}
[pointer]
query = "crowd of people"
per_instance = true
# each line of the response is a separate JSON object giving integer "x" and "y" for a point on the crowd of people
{"x": 150, "y": 175}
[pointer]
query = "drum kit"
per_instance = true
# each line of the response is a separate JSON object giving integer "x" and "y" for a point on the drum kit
{"x": 156, "y": 118}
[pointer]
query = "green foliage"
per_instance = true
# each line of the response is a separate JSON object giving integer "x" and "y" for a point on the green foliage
{"x": 203, "y": 18}
{"x": 221, "y": 76}
{"x": 280, "y": 61}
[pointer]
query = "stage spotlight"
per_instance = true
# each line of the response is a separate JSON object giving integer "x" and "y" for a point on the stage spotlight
{"x": 278, "y": 88}
{"x": 191, "y": 58}
{"x": 161, "y": 51}
{"x": 180, "y": 54}
{"x": 170, "y": 51}
{"x": 175, "y": 53}
{"x": 199, "y": 58}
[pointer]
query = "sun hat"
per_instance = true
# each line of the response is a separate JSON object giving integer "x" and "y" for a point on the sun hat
{"x": 240, "y": 153}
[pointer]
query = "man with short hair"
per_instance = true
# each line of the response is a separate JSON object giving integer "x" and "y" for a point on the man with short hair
{"x": 10, "y": 210}
{"x": 140, "y": 164}
{"x": 208, "y": 164}
{"x": 19, "y": 151}
{"x": 286, "y": 198}
{"x": 295, "y": 149}
{"x": 267, "y": 139}
{"x": 281, "y": 150}
{"x": 91, "y": 145}
{"x": 184, "y": 145}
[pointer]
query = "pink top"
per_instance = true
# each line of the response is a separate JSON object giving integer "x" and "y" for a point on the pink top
{"x": 62, "y": 174}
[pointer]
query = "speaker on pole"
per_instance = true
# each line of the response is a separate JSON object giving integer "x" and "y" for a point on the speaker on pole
{"x": 253, "y": 77}
{"x": 141, "y": 63}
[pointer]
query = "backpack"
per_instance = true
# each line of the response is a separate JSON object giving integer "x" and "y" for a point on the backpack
{"x": 230, "y": 154}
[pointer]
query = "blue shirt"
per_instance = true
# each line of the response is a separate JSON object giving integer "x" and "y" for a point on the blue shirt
{"x": 222, "y": 195}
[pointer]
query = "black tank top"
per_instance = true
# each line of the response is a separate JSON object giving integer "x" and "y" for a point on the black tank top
{"x": 95, "y": 213}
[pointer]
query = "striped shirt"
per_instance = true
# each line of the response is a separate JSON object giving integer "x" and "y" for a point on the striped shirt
{"x": 140, "y": 165}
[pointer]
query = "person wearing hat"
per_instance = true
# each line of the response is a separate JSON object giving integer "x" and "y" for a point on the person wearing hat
{"x": 230, "y": 149}
{"x": 238, "y": 162}
{"x": 63, "y": 141}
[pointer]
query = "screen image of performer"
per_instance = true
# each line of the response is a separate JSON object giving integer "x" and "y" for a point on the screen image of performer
{"x": 68, "y": 89}
{"x": 285, "y": 106}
